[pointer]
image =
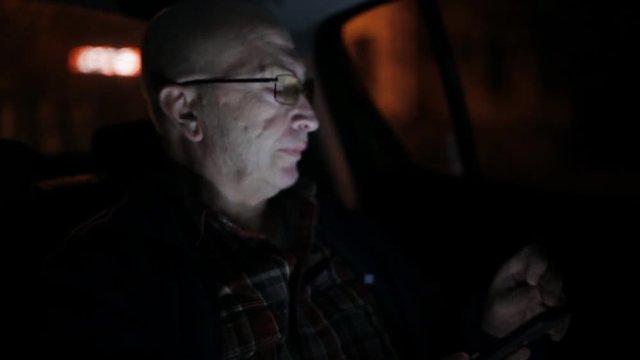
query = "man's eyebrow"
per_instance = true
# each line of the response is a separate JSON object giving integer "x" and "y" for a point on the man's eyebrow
{"x": 262, "y": 69}
{"x": 278, "y": 65}
{"x": 271, "y": 71}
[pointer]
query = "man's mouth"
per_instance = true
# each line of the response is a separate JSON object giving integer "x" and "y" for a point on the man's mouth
{"x": 293, "y": 151}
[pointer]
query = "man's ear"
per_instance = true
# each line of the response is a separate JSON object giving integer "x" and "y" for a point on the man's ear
{"x": 176, "y": 103}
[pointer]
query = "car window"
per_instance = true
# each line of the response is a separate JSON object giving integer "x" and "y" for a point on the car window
{"x": 518, "y": 119}
{"x": 539, "y": 81}
{"x": 389, "y": 47}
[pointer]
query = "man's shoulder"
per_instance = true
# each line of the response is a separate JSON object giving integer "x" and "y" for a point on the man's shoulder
{"x": 94, "y": 242}
{"x": 154, "y": 214}
{"x": 127, "y": 230}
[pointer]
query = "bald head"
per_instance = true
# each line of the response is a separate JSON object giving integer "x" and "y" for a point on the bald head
{"x": 199, "y": 38}
{"x": 239, "y": 135}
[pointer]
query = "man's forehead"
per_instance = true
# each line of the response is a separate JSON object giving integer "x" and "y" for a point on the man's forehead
{"x": 261, "y": 51}
{"x": 270, "y": 33}
{"x": 211, "y": 38}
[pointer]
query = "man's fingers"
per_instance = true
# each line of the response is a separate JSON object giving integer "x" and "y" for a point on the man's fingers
{"x": 517, "y": 301}
{"x": 560, "y": 331}
{"x": 528, "y": 266}
{"x": 536, "y": 265}
{"x": 512, "y": 309}
{"x": 522, "y": 354}
{"x": 551, "y": 288}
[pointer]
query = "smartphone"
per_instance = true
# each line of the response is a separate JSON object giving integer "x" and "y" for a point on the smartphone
{"x": 526, "y": 334}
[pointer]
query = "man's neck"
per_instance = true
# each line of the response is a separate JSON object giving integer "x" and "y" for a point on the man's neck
{"x": 247, "y": 213}
{"x": 244, "y": 207}
{"x": 246, "y": 216}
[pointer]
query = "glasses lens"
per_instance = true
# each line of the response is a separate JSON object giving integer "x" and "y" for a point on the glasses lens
{"x": 287, "y": 89}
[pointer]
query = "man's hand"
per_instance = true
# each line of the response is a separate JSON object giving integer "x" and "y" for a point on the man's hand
{"x": 524, "y": 287}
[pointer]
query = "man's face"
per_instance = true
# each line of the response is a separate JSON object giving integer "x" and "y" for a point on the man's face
{"x": 253, "y": 143}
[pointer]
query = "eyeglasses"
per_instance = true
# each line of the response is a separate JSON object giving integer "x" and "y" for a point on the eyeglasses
{"x": 287, "y": 88}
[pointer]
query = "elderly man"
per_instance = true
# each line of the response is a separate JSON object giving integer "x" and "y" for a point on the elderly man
{"x": 214, "y": 255}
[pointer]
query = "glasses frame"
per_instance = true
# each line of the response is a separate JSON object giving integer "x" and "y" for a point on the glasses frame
{"x": 305, "y": 86}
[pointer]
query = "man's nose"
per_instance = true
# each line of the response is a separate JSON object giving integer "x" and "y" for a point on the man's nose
{"x": 304, "y": 118}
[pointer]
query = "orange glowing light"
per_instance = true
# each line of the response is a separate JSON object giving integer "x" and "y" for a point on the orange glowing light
{"x": 107, "y": 61}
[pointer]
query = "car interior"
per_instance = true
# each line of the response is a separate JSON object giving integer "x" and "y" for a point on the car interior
{"x": 466, "y": 129}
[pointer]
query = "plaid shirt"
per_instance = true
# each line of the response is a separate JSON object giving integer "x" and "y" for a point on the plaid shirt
{"x": 303, "y": 303}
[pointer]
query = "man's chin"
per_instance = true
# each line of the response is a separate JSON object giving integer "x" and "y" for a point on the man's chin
{"x": 288, "y": 177}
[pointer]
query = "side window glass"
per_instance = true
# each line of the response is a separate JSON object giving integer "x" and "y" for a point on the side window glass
{"x": 515, "y": 82}
{"x": 390, "y": 49}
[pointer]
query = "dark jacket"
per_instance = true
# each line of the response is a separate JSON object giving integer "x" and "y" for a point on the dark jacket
{"x": 133, "y": 283}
